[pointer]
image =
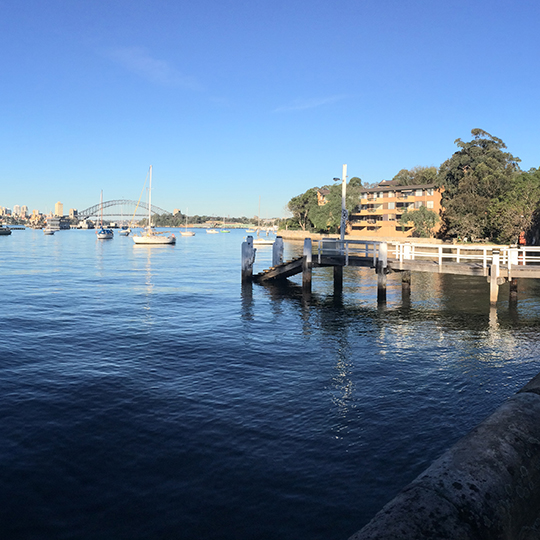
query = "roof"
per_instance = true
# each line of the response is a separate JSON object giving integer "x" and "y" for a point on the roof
{"x": 383, "y": 186}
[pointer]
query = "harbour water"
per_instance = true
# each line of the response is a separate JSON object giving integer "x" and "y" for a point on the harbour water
{"x": 145, "y": 394}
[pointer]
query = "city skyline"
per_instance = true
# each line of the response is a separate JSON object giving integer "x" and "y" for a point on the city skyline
{"x": 234, "y": 102}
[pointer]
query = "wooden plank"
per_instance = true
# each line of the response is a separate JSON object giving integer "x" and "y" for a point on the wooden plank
{"x": 282, "y": 271}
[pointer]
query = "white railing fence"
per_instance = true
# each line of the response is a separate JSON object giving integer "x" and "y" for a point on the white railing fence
{"x": 439, "y": 253}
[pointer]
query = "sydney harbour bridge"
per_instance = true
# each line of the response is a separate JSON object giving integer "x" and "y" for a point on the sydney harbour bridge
{"x": 120, "y": 210}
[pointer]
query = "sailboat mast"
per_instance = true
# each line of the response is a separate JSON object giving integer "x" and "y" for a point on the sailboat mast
{"x": 101, "y": 204}
{"x": 150, "y": 200}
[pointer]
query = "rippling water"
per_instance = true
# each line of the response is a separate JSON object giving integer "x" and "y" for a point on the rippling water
{"x": 145, "y": 394}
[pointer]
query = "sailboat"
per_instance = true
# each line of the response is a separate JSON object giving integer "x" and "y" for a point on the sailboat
{"x": 125, "y": 230}
{"x": 185, "y": 232}
{"x": 261, "y": 241}
{"x": 223, "y": 229}
{"x": 102, "y": 233}
{"x": 150, "y": 236}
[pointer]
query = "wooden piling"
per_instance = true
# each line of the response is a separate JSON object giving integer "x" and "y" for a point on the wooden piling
{"x": 306, "y": 266}
{"x": 277, "y": 251}
{"x": 382, "y": 263}
{"x": 406, "y": 280}
{"x": 338, "y": 279}
{"x": 494, "y": 278}
{"x": 513, "y": 290}
{"x": 248, "y": 258}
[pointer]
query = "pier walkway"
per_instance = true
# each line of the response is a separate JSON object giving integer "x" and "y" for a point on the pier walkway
{"x": 497, "y": 263}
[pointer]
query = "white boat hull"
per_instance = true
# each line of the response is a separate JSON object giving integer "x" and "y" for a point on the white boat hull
{"x": 154, "y": 240}
{"x": 104, "y": 234}
{"x": 263, "y": 242}
{"x": 187, "y": 233}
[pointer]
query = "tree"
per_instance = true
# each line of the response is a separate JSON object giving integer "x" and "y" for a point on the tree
{"x": 416, "y": 176}
{"x": 355, "y": 182}
{"x": 327, "y": 218}
{"x": 423, "y": 219}
{"x": 474, "y": 180}
{"x": 301, "y": 205}
{"x": 519, "y": 209}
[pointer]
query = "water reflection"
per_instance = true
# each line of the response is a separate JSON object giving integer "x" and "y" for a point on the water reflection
{"x": 441, "y": 320}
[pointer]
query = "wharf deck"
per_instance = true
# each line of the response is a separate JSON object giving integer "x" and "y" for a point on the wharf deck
{"x": 294, "y": 266}
{"x": 499, "y": 264}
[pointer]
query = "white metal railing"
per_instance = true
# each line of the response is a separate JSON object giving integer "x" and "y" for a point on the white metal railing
{"x": 508, "y": 255}
{"x": 360, "y": 248}
{"x": 439, "y": 253}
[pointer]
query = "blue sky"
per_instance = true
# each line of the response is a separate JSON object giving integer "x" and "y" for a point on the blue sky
{"x": 232, "y": 100}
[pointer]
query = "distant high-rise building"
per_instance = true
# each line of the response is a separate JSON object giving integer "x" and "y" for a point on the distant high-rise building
{"x": 16, "y": 210}
{"x": 73, "y": 213}
{"x": 59, "y": 209}
{"x": 24, "y": 211}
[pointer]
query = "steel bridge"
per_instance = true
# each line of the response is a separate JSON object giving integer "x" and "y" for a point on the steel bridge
{"x": 131, "y": 207}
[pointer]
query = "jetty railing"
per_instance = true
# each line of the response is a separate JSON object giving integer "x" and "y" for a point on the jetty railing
{"x": 360, "y": 248}
{"x": 440, "y": 253}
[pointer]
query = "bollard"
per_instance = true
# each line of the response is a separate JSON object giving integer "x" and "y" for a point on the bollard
{"x": 494, "y": 277}
{"x": 277, "y": 251}
{"x": 248, "y": 258}
{"x": 306, "y": 265}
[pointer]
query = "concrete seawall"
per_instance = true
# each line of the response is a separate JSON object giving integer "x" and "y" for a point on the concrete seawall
{"x": 486, "y": 487}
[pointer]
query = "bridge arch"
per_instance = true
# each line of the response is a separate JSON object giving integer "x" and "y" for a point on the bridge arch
{"x": 95, "y": 211}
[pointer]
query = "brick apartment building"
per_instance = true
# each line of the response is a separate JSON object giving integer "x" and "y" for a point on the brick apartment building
{"x": 382, "y": 206}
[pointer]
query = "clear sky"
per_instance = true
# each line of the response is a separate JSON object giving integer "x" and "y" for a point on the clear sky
{"x": 236, "y": 99}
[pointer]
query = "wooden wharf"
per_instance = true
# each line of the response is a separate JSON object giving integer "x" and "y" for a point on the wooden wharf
{"x": 498, "y": 264}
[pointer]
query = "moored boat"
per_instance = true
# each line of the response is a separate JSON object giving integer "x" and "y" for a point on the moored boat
{"x": 150, "y": 236}
{"x": 103, "y": 233}
{"x": 4, "y": 231}
{"x": 185, "y": 232}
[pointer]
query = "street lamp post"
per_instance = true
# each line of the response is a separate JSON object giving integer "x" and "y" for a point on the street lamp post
{"x": 344, "y": 213}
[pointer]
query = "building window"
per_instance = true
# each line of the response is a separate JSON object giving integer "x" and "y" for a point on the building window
{"x": 391, "y": 205}
{"x": 430, "y": 191}
{"x": 430, "y": 204}
{"x": 419, "y": 192}
{"x": 391, "y": 194}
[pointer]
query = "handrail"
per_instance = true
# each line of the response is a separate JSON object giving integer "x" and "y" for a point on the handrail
{"x": 440, "y": 253}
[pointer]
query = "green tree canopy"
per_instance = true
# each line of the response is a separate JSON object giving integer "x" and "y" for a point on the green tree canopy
{"x": 301, "y": 205}
{"x": 519, "y": 209}
{"x": 474, "y": 180}
{"x": 423, "y": 221}
{"x": 416, "y": 176}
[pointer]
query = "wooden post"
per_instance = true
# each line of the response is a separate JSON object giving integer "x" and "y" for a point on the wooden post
{"x": 406, "y": 281}
{"x": 383, "y": 254}
{"x": 277, "y": 251}
{"x": 248, "y": 258}
{"x": 494, "y": 278}
{"x": 381, "y": 283}
{"x": 382, "y": 263}
{"x": 306, "y": 266}
{"x": 513, "y": 290}
{"x": 338, "y": 279}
